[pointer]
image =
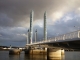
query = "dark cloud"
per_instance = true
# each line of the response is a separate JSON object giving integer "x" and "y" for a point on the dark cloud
{"x": 16, "y": 12}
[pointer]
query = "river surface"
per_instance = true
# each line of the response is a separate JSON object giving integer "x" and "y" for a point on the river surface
{"x": 4, "y": 55}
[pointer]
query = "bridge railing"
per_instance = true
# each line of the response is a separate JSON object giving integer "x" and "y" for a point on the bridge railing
{"x": 69, "y": 36}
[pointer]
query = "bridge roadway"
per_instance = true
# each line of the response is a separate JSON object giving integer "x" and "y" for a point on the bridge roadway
{"x": 68, "y": 41}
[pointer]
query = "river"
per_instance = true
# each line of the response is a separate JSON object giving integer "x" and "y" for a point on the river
{"x": 4, "y": 55}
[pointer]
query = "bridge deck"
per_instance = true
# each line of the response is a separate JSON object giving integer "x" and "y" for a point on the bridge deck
{"x": 65, "y": 37}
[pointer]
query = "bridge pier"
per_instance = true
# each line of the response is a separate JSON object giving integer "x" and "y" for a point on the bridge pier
{"x": 53, "y": 53}
{"x": 33, "y": 51}
{"x": 62, "y": 51}
{"x": 27, "y": 50}
{"x": 50, "y": 52}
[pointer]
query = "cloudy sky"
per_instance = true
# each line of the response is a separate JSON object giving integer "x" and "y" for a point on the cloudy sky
{"x": 62, "y": 17}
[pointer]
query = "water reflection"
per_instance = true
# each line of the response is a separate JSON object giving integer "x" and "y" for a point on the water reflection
{"x": 62, "y": 57}
{"x": 4, "y": 55}
{"x": 14, "y": 57}
{"x": 56, "y": 58}
{"x": 41, "y": 57}
{"x": 36, "y": 57}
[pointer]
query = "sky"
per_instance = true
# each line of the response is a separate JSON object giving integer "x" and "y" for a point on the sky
{"x": 62, "y": 17}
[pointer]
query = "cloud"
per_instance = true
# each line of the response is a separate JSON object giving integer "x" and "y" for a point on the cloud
{"x": 68, "y": 23}
{"x": 62, "y": 16}
{"x": 17, "y": 11}
{"x": 13, "y": 34}
{"x": 5, "y": 20}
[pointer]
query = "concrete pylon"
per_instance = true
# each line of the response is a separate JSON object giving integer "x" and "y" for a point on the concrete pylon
{"x": 31, "y": 26}
{"x": 28, "y": 36}
{"x": 45, "y": 28}
{"x": 35, "y": 35}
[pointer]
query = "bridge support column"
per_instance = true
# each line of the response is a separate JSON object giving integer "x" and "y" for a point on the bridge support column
{"x": 50, "y": 52}
{"x": 32, "y": 51}
{"x": 27, "y": 50}
{"x": 54, "y": 53}
{"x": 62, "y": 51}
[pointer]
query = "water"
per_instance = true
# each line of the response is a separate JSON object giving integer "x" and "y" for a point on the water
{"x": 4, "y": 55}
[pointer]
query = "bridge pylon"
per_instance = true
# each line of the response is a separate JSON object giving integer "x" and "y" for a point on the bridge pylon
{"x": 45, "y": 28}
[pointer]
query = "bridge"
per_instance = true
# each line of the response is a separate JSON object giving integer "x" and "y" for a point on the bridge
{"x": 53, "y": 47}
{"x": 70, "y": 40}
{"x": 67, "y": 41}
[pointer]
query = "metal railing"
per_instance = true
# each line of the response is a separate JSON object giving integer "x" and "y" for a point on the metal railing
{"x": 68, "y": 36}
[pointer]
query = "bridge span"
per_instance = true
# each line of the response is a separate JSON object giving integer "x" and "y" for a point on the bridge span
{"x": 70, "y": 41}
{"x": 53, "y": 47}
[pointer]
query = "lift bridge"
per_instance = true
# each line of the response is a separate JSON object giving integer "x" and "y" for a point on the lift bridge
{"x": 69, "y": 41}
